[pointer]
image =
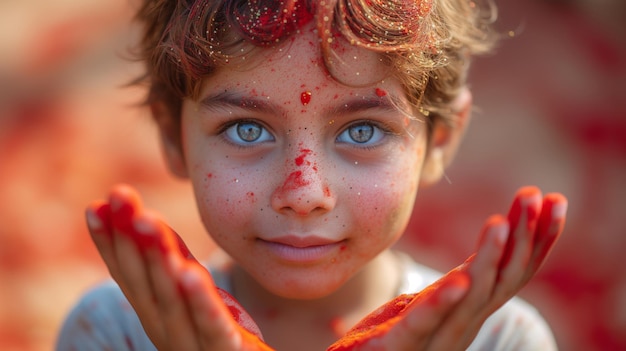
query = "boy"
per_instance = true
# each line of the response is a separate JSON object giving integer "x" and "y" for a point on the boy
{"x": 306, "y": 129}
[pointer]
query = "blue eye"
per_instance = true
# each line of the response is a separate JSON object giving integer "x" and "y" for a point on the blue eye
{"x": 247, "y": 132}
{"x": 361, "y": 133}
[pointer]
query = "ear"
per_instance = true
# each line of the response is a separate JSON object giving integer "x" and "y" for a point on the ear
{"x": 445, "y": 139}
{"x": 169, "y": 132}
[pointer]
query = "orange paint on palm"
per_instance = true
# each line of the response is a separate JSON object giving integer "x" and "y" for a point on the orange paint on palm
{"x": 375, "y": 324}
{"x": 380, "y": 322}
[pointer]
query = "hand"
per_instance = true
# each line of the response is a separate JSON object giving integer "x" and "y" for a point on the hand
{"x": 173, "y": 294}
{"x": 448, "y": 314}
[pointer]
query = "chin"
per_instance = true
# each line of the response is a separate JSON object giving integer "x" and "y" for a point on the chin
{"x": 305, "y": 286}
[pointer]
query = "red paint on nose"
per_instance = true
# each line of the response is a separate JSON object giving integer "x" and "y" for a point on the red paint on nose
{"x": 305, "y": 97}
{"x": 300, "y": 159}
{"x": 294, "y": 181}
{"x": 326, "y": 191}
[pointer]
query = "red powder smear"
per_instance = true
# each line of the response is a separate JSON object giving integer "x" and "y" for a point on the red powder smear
{"x": 294, "y": 181}
{"x": 305, "y": 97}
{"x": 380, "y": 92}
{"x": 300, "y": 159}
{"x": 239, "y": 314}
{"x": 265, "y": 25}
{"x": 326, "y": 191}
{"x": 373, "y": 325}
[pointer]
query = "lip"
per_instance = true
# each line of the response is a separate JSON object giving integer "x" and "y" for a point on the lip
{"x": 295, "y": 249}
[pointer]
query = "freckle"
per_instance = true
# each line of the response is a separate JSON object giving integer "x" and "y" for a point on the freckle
{"x": 305, "y": 97}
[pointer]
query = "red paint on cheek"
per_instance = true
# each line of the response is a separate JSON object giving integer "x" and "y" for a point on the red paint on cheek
{"x": 380, "y": 92}
{"x": 305, "y": 97}
{"x": 251, "y": 196}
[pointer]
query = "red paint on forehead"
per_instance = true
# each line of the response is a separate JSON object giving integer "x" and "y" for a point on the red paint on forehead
{"x": 305, "y": 97}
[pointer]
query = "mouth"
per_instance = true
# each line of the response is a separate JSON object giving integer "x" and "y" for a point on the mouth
{"x": 303, "y": 250}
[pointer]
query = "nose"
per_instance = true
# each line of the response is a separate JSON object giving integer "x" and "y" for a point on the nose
{"x": 305, "y": 190}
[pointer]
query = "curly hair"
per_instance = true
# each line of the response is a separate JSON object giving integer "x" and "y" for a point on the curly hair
{"x": 427, "y": 44}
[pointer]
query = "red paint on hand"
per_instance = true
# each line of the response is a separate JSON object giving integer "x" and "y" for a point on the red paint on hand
{"x": 378, "y": 323}
{"x": 522, "y": 203}
{"x": 239, "y": 314}
{"x": 374, "y": 325}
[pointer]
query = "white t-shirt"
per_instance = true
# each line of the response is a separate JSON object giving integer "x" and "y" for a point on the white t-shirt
{"x": 104, "y": 320}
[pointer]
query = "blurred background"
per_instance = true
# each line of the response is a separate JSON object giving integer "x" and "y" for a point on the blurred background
{"x": 551, "y": 112}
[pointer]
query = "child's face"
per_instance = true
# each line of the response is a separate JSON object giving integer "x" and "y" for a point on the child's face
{"x": 301, "y": 179}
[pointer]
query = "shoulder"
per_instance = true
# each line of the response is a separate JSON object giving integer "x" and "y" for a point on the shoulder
{"x": 103, "y": 320}
{"x": 517, "y": 325}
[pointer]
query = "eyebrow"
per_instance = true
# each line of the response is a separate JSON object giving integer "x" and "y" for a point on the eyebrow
{"x": 233, "y": 99}
{"x": 227, "y": 99}
{"x": 365, "y": 103}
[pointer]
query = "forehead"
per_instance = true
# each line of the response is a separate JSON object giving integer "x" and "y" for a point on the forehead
{"x": 300, "y": 58}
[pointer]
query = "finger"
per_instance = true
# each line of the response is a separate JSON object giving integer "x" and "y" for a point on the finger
{"x": 213, "y": 322}
{"x": 98, "y": 219}
{"x": 428, "y": 311}
{"x": 162, "y": 259}
{"x": 460, "y": 327}
{"x": 549, "y": 228}
{"x": 132, "y": 274}
{"x": 484, "y": 267}
{"x": 523, "y": 218}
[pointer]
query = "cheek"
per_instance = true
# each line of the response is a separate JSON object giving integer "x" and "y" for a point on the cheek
{"x": 226, "y": 198}
{"x": 385, "y": 200}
